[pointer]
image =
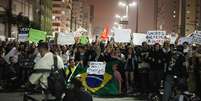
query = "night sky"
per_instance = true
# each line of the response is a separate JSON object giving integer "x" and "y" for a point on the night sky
{"x": 105, "y": 11}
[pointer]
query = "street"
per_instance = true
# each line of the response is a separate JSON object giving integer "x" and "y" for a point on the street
{"x": 19, "y": 97}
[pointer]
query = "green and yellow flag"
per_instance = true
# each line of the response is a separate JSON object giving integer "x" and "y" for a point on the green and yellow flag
{"x": 100, "y": 85}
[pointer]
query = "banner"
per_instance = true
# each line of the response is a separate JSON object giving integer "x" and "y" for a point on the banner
{"x": 122, "y": 35}
{"x": 36, "y": 35}
{"x": 156, "y": 37}
{"x": 97, "y": 68}
{"x": 138, "y": 38}
{"x": 184, "y": 39}
{"x": 65, "y": 39}
{"x": 196, "y": 37}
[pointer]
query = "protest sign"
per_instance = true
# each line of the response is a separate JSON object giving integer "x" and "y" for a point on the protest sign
{"x": 84, "y": 40}
{"x": 196, "y": 37}
{"x": 2, "y": 38}
{"x": 23, "y": 34}
{"x": 156, "y": 37}
{"x": 184, "y": 39}
{"x": 36, "y": 35}
{"x": 79, "y": 32}
{"x": 65, "y": 39}
{"x": 173, "y": 39}
{"x": 97, "y": 68}
{"x": 23, "y": 37}
{"x": 138, "y": 38}
{"x": 122, "y": 35}
{"x": 13, "y": 52}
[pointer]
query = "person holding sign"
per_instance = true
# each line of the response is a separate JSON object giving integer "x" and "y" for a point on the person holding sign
{"x": 71, "y": 68}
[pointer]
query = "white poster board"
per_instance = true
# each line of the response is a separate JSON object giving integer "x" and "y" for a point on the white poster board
{"x": 97, "y": 68}
{"x": 122, "y": 35}
{"x": 138, "y": 38}
{"x": 65, "y": 39}
{"x": 173, "y": 39}
{"x": 13, "y": 53}
{"x": 196, "y": 37}
{"x": 184, "y": 39}
{"x": 79, "y": 32}
{"x": 2, "y": 38}
{"x": 156, "y": 37}
{"x": 23, "y": 37}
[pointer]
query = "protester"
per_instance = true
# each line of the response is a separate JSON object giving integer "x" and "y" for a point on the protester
{"x": 135, "y": 68}
{"x": 131, "y": 63}
{"x": 77, "y": 92}
{"x": 156, "y": 68}
{"x": 46, "y": 62}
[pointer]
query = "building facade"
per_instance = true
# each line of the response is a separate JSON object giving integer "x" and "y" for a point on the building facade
{"x": 80, "y": 15}
{"x": 167, "y": 15}
{"x": 42, "y": 15}
{"x": 178, "y": 16}
{"x": 61, "y": 18}
{"x": 14, "y": 14}
{"x": 192, "y": 18}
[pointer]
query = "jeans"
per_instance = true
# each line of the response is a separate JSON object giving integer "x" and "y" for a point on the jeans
{"x": 168, "y": 85}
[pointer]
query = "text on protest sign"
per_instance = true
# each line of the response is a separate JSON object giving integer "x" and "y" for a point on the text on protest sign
{"x": 97, "y": 68}
{"x": 184, "y": 39}
{"x": 196, "y": 37}
{"x": 156, "y": 37}
{"x": 65, "y": 39}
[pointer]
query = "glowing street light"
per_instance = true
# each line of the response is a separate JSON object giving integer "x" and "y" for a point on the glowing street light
{"x": 127, "y": 5}
{"x": 132, "y": 4}
{"x": 121, "y": 17}
{"x": 122, "y": 4}
{"x": 115, "y": 23}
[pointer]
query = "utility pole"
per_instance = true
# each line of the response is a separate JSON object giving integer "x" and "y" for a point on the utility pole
{"x": 200, "y": 15}
{"x": 182, "y": 17}
{"x": 8, "y": 24}
{"x": 137, "y": 15}
{"x": 156, "y": 14}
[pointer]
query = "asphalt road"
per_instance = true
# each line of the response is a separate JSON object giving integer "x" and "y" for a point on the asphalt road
{"x": 19, "y": 97}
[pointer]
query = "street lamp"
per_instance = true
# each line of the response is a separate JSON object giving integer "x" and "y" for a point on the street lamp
{"x": 121, "y": 17}
{"x": 127, "y": 5}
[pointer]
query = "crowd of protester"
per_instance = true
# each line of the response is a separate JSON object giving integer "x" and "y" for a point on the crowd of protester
{"x": 140, "y": 68}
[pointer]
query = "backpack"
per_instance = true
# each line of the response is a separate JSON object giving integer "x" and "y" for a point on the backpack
{"x": 56, "y": 79}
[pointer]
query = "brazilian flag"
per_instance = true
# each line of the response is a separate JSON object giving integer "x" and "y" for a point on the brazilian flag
{"x": 100, "y": 85}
